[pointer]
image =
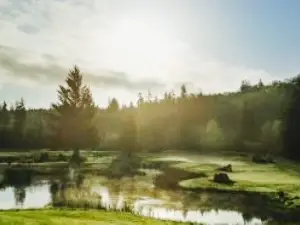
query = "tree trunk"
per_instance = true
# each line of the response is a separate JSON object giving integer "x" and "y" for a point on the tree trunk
{"x": 75, "y": 159}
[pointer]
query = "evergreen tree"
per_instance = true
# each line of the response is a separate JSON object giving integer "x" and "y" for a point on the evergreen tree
{"x": 19, "y": 123}
{"x": 73, "y": 115}
{"x": 183, "y": 91}
{"x": 149, "y": 97}
{"x": 4, "y": 125}
{"x": 249, "y": 129}
{"x": 113, "y": 105}
{"x": 245, "y": 86}
{"x": 291, "y": 127}
{"x": 128, "y": 140}
{"x": 140, "y": 100}
{"x": 260, "y": 84}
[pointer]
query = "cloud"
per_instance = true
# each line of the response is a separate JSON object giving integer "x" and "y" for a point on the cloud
{"x": 28, "y": 29}
{"x": 49, "y": 71}
{"x": 41, "y": 40}
{"x": 215, "y": 76}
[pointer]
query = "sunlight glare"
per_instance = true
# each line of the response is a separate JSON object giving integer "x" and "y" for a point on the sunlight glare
{"x": 142, "y": 42}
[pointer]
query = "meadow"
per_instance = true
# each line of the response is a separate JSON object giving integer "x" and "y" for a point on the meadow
{"x": 182, "y": 181}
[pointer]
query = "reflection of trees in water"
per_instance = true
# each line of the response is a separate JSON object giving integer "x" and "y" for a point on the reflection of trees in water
{"x": 247, "y": 217}
{"x": 73, "y": 192}
{"x": 17, "y": 177}
{"x": 128, "y": 189}
{"x": 79, "y": 179}
{"x": 249, "y": 205}
{"x": 54, "y": 188}
{"x": 20, "y": 195}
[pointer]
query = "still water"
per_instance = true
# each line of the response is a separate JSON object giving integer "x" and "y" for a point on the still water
{"x": 144, "y": 199}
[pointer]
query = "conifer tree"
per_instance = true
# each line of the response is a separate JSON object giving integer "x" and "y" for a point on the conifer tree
{"x": 19, "y": 123}
{"x": 73, "y": 115}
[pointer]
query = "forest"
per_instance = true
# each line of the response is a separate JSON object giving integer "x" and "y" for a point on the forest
{"x": 180, "y": 157}
{"x": 257, "y": 117}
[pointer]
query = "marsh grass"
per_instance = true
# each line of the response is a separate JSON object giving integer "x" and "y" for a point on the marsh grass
{"x": 77, "y": 198}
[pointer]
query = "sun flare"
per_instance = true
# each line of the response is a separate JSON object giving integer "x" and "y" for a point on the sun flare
{"x": 141, "y": 41}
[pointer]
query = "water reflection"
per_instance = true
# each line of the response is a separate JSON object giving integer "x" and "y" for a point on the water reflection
{"x": 137, "y": 195}
{"x": 20, "y": 194}
{"x": 36, "y": 196}
{"x": 159, "y": 209}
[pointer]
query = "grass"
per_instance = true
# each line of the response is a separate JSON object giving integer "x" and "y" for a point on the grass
{"x": 76, "y": 217}
{"x": 248, "y": 176}
{"x": 284, "y": 175}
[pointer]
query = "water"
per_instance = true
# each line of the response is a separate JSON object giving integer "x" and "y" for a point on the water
{"x": 144, "y": 200}
{"x": 36, "y": 196}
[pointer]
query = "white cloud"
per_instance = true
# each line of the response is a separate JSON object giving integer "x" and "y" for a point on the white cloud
{"x": 99, "y": 35}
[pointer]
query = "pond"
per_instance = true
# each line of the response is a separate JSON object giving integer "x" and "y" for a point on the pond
{"x": 142, "y": 195}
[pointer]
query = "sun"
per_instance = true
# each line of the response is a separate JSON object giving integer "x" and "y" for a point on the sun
{"x": 140, "y": 41}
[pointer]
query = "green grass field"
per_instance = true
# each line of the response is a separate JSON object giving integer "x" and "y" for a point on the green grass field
{"x": 76, "y": 217}
{"x": 284, "y": 175}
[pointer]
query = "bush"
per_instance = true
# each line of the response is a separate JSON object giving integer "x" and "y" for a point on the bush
{"x": 126, "y": 164}
{"x": 40, "y": 157}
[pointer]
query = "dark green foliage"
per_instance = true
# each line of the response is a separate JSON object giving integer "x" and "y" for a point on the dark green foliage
{"x": 19, "y": 123}
{"x": 128, "y": 139}
{"x": 17, "y": 177}
{"x": 42, "y": 157}
{"x": 73, "y": 115}
{"x": 4, "y": 125}
{"x": 260, "y": 117}
{"x": 37, "y": 157}
{"x": 249, "y": 129}
{"x": 125, "y": 165}
{"x": 245, "y": 86}
{"x": 291, "y": 128}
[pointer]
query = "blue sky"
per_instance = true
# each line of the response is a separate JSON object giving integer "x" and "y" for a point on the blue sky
{"x": 126, "y": 47}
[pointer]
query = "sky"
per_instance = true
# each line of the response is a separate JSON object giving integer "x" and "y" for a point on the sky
{"x": 127, "y": 47}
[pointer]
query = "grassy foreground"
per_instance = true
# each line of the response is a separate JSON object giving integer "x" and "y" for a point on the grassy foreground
{"x": 76, "y": 217}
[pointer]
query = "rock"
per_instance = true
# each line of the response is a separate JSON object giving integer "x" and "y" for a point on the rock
{"x": 222, "y": 178}
{"x": 227, "y": 168}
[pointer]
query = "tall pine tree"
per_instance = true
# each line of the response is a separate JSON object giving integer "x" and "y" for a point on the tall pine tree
{"x": 19, "y": 123}
{"x": 74, "y": 114}
{"x": 4, "y": 125}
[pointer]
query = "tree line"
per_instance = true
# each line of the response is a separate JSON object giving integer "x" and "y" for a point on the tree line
{"x": 257, "y": 117}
